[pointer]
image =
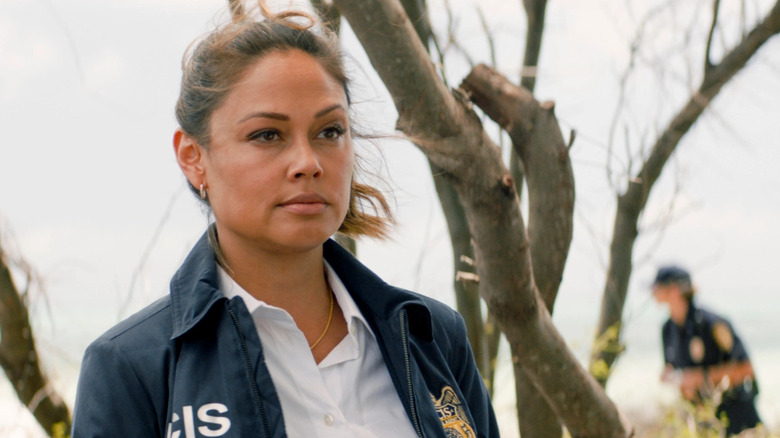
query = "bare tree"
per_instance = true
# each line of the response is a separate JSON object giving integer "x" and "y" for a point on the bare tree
{"x": 444, "y": 126}
{"x": 535, "y": 417}
{"x": 632, "y": 202}
{"x": 19, "y": 357}
{"x": 483, "y": 337}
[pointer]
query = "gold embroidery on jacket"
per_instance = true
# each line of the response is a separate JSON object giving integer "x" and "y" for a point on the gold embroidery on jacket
{"x": 452, "y": 414}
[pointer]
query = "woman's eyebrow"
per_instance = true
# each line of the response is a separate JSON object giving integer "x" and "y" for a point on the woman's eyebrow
{"x": 329, "y": 109}
{"x": 267, "y": 115}
{"x": 284, "y": 117}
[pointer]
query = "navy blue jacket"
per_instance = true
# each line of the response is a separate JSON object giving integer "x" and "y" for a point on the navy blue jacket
{"x": 707, "y": 339}
{"x": 191, "y": 364}
{"x": 704, "y": 340}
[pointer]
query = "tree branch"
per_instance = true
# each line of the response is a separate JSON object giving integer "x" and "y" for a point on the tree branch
{"x": 328, "y": 14}
{"x": 633, "y": 201}
{"x": 19, "y": 358}
{"x": 467, "y": 297}
{"x": 710, "y": 36}
{"x": 538, "y": 141}
{"x": 447, "y": 130}
{"x": 534, "y": 12}
{"x": 418, "y": 14}
{"x": 710, "y": 86}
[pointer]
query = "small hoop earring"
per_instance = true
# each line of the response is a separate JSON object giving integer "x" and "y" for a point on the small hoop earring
{"x": 203, "y": 193}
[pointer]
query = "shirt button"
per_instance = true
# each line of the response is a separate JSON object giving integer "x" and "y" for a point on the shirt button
{"x": 328, "y": 419}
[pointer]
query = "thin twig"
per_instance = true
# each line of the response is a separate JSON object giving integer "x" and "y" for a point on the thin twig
{"x": 708, "y": 52}
{"x": 149, "y": 247}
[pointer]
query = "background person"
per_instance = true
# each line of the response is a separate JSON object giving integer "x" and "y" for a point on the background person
{"x": 703, "y": 353}
{"x": 270, "y": 328}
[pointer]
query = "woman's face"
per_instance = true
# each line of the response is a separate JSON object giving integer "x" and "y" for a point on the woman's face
{"x": 279, "y": 167}
{"x": 667, "y": 294}
{"x": 661, "y": 293}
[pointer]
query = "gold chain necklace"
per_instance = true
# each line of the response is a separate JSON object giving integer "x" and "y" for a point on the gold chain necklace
{"x": 327, "y": 326}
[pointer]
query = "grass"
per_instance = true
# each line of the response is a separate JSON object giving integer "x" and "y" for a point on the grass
{"x": 685, "y": 420}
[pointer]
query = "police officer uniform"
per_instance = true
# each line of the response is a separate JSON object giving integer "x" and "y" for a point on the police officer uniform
{"x": 705, "y": 340}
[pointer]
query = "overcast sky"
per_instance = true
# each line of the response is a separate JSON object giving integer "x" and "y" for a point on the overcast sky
{"x": 91, "y": 195}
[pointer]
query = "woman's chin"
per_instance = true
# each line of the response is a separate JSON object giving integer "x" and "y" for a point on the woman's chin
{"x": 304, "y": 238}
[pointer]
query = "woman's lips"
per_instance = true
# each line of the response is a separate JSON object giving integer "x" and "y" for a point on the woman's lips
{"x": 305, "y": 204}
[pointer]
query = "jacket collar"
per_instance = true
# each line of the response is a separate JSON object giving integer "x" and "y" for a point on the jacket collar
{"x": 194, "y": 287}
{"x": 194, "y": 290}
{"x": 693, "y": 313}
{"x": 378, "y": 301}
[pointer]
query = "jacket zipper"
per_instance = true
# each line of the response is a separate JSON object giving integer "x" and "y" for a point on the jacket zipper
{"x": 408, "y": 363}
{"x": 255, "y": 389}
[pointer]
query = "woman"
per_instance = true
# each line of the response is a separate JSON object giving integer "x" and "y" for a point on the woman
{"x": 270, "y": 328}
{"x": 704, "y": 356}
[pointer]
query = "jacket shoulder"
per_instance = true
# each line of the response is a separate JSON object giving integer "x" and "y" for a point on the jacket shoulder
{"x": 710, "y": 316}
{"x": 126, "y": 366}
{"x": 446, "y": 324}
{"x": 149, "y": 326}
{"x": 706, "y": 319}
{"x": 441, "y": 314}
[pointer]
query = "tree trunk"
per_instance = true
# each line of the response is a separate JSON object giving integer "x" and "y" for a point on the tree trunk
{"x": 466, "y": 286}
{"x": 446, "y": 129}
{"x": 19, "y": 360}
{"x": 534, "y": 11}
{"x": 329, "y": 15}
{"x": 465, "y": 283}
{"x": 538, "y": 142}
{"x": 347, "y": 243}
{"x": 633, "y": 201}
{"x": 535, "y": 417}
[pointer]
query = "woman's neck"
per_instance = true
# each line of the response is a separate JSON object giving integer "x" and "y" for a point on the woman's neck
{"x": 291, "y": 280}
{"x": 285, "y": 279}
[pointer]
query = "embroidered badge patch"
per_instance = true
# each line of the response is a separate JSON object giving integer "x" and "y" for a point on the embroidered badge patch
{"x": 696, "y": 349}
{"x": 452, "y": 414}
{"x": 722, "y": 334}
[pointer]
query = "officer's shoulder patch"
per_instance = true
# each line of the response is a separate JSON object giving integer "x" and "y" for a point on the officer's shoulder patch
{"x": 723, "y": 336}
{"x": 452, "y": 415}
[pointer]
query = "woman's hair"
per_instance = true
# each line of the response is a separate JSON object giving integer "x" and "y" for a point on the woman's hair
{"x": 687, "y": 291}
{"x": 217, "y": 62}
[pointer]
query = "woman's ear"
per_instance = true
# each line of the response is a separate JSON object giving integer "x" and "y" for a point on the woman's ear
{"x": 189, "y": 155}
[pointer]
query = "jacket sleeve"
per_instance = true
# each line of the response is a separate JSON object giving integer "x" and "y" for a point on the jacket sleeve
{"x": 111, "y": 400}
{"x": 471, "y": 383}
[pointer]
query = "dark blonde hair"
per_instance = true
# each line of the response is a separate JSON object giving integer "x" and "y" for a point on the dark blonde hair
{"x": 217, "y": 62}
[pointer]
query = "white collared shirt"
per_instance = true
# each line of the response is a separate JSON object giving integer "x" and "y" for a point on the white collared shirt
{"x": 348, "y": 394}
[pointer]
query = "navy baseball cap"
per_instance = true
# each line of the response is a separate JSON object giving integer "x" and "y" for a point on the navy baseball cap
{"x": 672, "y": 274}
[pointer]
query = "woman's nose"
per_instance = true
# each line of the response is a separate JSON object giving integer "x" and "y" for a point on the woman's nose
{"x": 305, "y": 162}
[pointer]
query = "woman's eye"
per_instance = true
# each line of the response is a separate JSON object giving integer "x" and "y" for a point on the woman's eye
{"x": 264, "y": 136}
{"x": 332, "y": 132}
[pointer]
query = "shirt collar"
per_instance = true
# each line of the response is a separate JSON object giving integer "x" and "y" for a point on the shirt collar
{"x": 352, "y": 314}
{"x": 231, "y": 289}
{"x": 195, "y": 290}
{"x": 349, "y": 309}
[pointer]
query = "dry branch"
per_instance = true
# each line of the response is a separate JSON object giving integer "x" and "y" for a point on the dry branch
{"x": 19, "y": 359}
{"x": 445, "y": 128}
{"x": 633, "y": 201}
{"x": 538, "y": 143}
